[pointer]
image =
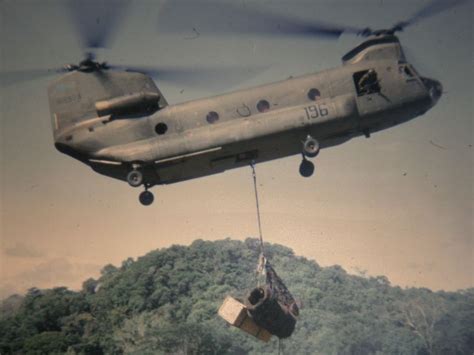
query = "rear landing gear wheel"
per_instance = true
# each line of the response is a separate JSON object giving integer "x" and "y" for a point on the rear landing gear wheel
{"x": 146, "y": 198}
{"x": 135, "y": 178}
{"x": 306, "y": 168}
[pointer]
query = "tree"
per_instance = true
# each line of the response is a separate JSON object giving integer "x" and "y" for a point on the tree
{"x": 167, "y": 301}
{"x": 421, "y": 315}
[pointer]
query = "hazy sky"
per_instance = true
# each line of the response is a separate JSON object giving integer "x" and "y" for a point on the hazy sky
{"x": 398, "y": 204}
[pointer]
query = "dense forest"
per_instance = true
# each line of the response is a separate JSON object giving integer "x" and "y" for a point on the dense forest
{"x": 166, "y": 303}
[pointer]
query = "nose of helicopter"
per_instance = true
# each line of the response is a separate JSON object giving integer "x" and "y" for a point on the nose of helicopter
{"x": 435, "y": 89}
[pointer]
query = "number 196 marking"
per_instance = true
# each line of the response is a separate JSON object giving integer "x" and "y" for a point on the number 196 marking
{"x": 315, "y": 111}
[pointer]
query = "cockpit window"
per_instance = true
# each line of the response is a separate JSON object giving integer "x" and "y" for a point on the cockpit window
{"x": 407, "y": 71}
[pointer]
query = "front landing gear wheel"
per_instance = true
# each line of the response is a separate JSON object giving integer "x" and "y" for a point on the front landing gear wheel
{"x": 306, "y": 168}
{"x": 135, "y": 178}
{"x": 146, "y": 198}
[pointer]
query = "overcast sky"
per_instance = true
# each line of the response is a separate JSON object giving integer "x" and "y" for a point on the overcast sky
{"x": 399, "y": 204}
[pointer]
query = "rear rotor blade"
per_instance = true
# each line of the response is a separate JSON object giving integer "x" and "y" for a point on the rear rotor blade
{"x": 96, "y": 20}
{"x": 8, "y": 78}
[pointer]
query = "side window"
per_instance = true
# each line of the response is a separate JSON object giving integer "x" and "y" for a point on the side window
{"x": 366, "y": 82}
{"x": 212, "y": 117}
{"x": 314, "y": 94}
{"x": 263, "y": 106}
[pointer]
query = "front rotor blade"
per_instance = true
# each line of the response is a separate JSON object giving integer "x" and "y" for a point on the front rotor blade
{"x": 222, "y": 18}
{"x": 96, "y": 20}
{"x": 433, "y": 8}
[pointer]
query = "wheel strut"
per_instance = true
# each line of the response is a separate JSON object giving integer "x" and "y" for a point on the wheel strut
{"x": 310, "y": 150}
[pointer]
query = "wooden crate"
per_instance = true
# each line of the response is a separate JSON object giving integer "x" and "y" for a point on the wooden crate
{"x": 235, "y": 313}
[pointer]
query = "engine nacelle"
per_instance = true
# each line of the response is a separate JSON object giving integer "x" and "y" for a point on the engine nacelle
{"x": 140, "y": 103}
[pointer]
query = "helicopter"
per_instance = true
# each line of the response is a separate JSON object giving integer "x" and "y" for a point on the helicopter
{"x": 117, "y": 121}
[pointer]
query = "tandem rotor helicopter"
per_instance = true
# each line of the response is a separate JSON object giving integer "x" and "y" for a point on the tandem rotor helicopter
{"x": 119, "y": 123}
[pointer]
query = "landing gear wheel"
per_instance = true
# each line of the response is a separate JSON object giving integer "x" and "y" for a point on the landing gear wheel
{"x": 135, "y": 178}
{"x": 306, "y": 168}
{"x": 146, "y": 198}
{"x": 310, "y": 147}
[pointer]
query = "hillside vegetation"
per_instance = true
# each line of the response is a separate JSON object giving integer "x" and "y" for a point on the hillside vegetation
{"x": 166, "y": 302}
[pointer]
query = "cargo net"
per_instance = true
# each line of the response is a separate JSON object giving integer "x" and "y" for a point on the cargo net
{"x": 279, "y": 290}
{"x": 272, "y": 306}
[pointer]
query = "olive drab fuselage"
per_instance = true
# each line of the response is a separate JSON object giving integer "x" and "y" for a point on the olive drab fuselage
{"x": 119, "y": 121}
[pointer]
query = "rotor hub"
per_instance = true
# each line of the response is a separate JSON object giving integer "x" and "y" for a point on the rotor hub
{"x": 87, "y": 65}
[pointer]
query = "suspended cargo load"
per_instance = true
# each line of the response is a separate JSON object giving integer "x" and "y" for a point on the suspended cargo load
{"x": 268, "y": 310}
{"x": 272, "y": 306}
